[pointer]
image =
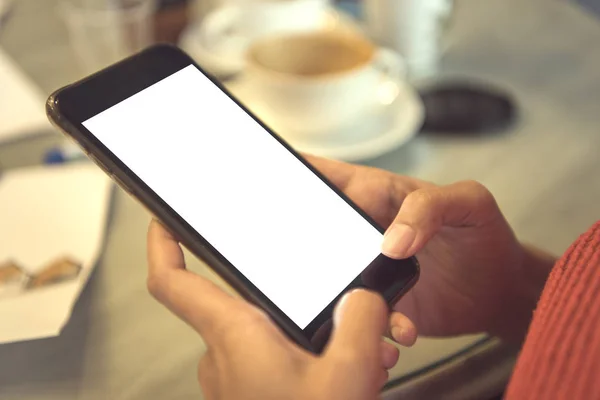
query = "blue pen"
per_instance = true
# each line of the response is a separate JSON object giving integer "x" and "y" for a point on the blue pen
{"x": 66, "y": 152}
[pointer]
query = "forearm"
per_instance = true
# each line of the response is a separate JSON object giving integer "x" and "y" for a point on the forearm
{"x": 535, "y": 267}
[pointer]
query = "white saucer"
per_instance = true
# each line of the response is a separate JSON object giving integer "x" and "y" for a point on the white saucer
{"x": 384, "y": 128}
{"x": 225, "y": 62}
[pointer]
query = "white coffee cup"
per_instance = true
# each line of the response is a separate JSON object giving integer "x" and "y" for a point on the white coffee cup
{"x": 311, "y": 83}
{"x": 233, "y": 26}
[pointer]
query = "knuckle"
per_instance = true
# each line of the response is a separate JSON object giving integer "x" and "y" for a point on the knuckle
{"x": 422, "y": 198}
{"x": 481, "y": 193}
{"x": 153, "y": 285}
{"x": 252, "y": 316}
{"x": 156, "y": 284}
{"x": 257, "y": 321}
{"x": 421, "y": 208}
{"x": 475, "y": 186}
{"x": 246, "y": 321}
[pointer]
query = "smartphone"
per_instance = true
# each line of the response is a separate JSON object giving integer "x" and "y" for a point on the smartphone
{"x": 230, "y": 189}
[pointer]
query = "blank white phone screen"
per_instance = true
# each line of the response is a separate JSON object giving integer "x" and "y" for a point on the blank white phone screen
{"x": 282, "y": 227}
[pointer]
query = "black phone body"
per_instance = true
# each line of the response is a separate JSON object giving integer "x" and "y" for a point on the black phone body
{"x": 161, "y": 128}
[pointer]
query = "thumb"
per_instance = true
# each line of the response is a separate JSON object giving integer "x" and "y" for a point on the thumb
{"x": 360, "y": 321}
{"x": 425, "y": 211}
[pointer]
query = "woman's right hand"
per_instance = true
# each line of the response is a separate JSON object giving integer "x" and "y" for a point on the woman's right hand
{"x": 249, "y": 357}
{"x": 475, "y": 275}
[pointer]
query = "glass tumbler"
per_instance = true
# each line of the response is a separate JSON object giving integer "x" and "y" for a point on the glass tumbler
{"x": 102, "y": 32}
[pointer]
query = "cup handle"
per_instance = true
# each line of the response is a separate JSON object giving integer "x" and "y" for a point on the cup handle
{"x": 391, "y": 64}
{"x": 219, "y": 25}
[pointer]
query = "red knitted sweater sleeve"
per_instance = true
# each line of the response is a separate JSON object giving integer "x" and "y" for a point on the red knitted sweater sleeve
{"x": 561, "y": 355}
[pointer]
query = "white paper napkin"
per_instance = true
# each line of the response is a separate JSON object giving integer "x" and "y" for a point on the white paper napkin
{"x": 47, "y": 213}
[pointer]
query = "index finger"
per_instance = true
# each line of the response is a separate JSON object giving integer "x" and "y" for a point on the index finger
{"x": 338, "y": 172}
{"x": 194, "y": 299}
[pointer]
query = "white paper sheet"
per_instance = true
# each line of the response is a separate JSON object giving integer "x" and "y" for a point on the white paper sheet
{"x": 46, "y": 213}
{"x": 22, "y": 112}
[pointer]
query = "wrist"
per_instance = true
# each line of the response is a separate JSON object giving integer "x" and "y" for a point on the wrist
{"x": 535, "y": 269}
{"x": 531, "y": 274}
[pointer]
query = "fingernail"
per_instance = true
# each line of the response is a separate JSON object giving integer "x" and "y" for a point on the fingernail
{"x": 397, "y": 240}
{"x": 339, "y": 307}
{"x": 398, "y": 334}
